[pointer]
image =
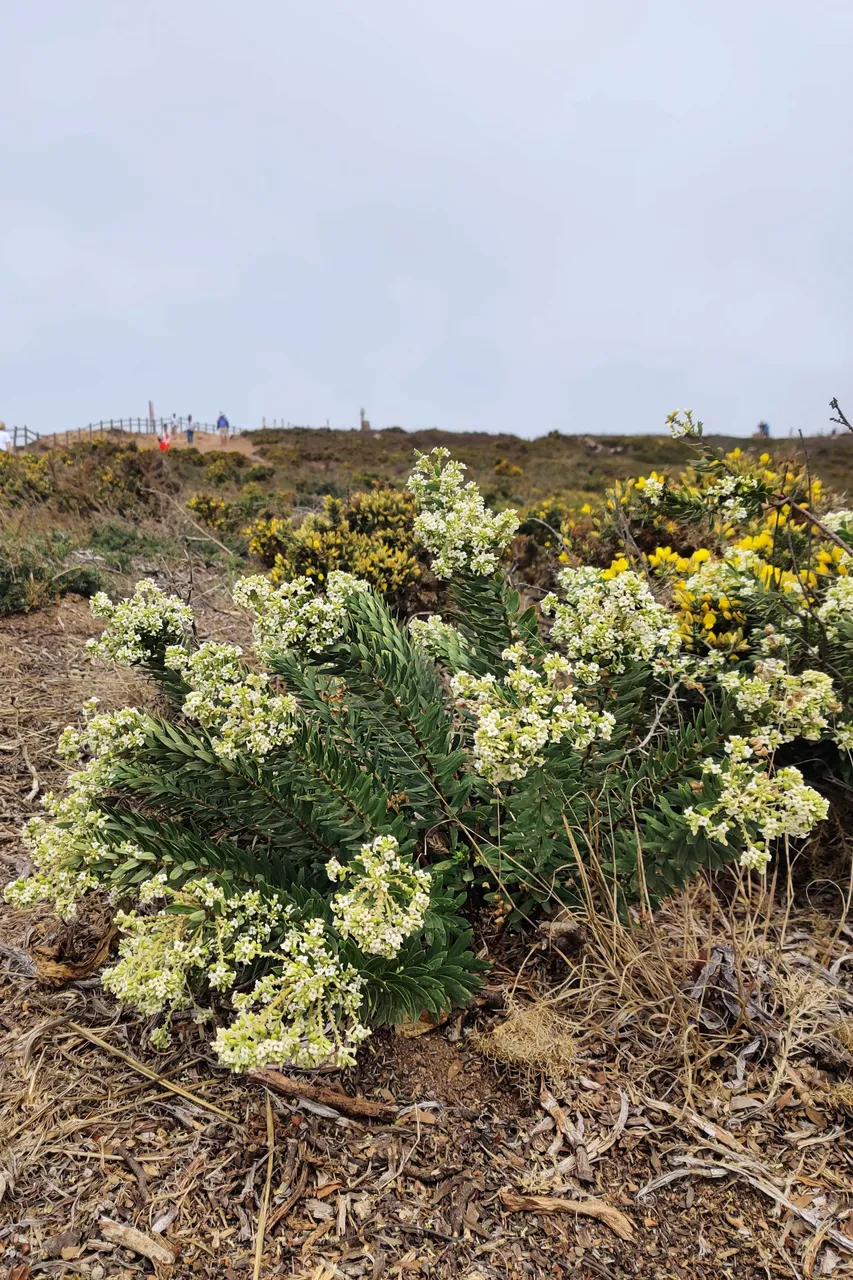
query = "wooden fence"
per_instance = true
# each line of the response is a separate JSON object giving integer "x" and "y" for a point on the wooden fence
{"x": 22, "y": 436}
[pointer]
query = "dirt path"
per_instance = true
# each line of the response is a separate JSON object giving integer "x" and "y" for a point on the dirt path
{"x": 203, "y": 441}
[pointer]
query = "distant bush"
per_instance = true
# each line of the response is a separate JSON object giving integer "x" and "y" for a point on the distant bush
{"x": 25, "y": 478}
{"x": 216, "y": 513}
{"x": 98, "y": 475}
{"x": 33, "y": 573}
{"x": 371, "y": 536}
{"x": 224, "y": 468}
{"x": 258, "y": 473}
{"x": 119, "y": 544}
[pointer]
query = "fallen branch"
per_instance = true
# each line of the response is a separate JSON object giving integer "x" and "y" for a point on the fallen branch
{"x": 598, "y": 1209}
{"x": 138, "y": 1241}
{"x": 265, "y": 1199}
{"x": 290, "y": 1088}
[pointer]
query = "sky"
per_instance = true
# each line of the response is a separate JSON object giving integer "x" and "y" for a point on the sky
{"x": 471, "y": 214}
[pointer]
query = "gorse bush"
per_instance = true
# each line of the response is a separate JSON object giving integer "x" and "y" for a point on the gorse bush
{"x": 98, "y": 475}
{"x": 371, "y": 536}
{"x": 307, "y": 833}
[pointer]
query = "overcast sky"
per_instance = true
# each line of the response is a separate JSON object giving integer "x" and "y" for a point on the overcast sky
{"x": 487, "y": 214}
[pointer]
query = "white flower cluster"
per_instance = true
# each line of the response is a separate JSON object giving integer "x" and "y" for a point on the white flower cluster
{"x": 453, "y": 521}
{"x": 247, "y": 714}
{"x": 292, "y": 615}
{"x": 751, "y": 799}
{"x": 305, "y": 1014}
{"x": 680, "y": 427}
{"x": 517, "y": 717}
{"x": 733, "y": 495}
{"x": 609, "y": 622}
{"x": 838, "y": 521}
{"x": 782, "y": 706}
{"x": 59, "y": 851}
{"x": 103, "y": 740}
{"x": 837, "y": 605}
{"x": 652, "y": 491}
{"x": 438, "y": 640}
{"x": 205, "y": 932}
{"x": 140, "y": 628}
{"x": 62, "y": 849}
{"x": 385, "y": 898}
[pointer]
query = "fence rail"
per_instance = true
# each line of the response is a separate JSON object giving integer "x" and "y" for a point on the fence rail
{"x": 22, "y": 436}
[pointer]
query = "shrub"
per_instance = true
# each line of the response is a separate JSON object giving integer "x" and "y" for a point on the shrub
{"x": 371, "y": 536}
{"x": 308, "y": 835}
{"x": 96, "y": 475}
{"x": 224, "y": 468}
{"x": 33, "y": 573}
{"x": 25, "y": 478}
{"x": 257, "y": 473}
{"x": 216, "y": 513}
{"x": 269, "y": 538}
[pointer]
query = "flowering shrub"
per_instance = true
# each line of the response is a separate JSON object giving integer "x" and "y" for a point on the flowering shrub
{"x": 142, "y": 627}
{"x": 301, "y": 836}
{"x": 453, "y": 522}
{"x": 371, "y": 536}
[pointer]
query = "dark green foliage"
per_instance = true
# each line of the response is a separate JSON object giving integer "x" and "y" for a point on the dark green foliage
{"x": 35, "y": 571}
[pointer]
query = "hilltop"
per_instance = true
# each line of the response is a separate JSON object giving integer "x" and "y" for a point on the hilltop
{"x": 509, "y": 469}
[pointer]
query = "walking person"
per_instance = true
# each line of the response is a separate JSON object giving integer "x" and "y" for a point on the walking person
{"x": 223, "y": 427}
{"x": 190, "y": 429}
{"x": 6, "y": 444}
{"x": 165, "y": 441}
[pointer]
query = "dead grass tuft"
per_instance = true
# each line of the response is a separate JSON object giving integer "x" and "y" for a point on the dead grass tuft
{"x": 535, "y": 1037}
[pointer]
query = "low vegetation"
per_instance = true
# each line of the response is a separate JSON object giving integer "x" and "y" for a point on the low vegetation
{"x": 617, "y": 699}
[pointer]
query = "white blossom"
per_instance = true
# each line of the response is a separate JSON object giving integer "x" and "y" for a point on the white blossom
{"x": 609, "y": 621}
{"x": 840, "y": 521}
{"x": 303, "y": 1014}
{"x": 782, "y": 706}
{"x": 140, "y": 628}
{"x": 384, "y": 899}
{"x": 453, "y": 521}
{"x": 438, "y": 640}
{"x": 203, "y": 932}
{"x": 681, "y": 426}
{"x": 292, "y": 616}
{"x": 837, "y": 606}
{"x": 240, "y": 705}
{"x": 519, "y": 715}
{"x": 61, "y": 850}
{"x": 752, "y": 799}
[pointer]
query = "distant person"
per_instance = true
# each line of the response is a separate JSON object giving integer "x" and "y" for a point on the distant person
{"x": 223, "y": 426}
{"x": 173, "y": 425}
{"x": 165, "y": 441}
{"x": 190, "y": 429}
{"x": 6, "y": 445}
{"x": 764, "y": 430}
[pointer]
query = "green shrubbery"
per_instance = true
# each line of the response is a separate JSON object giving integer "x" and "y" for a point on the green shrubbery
{"x": 309, "y": 833}
{"x": 371, "y": 536}
{"x": 34, "y": 572}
